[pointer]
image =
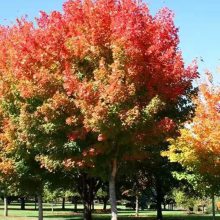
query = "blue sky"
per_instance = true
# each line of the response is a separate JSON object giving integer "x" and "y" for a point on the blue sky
{"x": 198, "y": 22}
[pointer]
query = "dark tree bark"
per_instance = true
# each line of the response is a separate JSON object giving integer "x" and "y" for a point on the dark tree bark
{"x": 87, "y": 215}
{"x": 63, "y": 203}
{"x": 75, "y": 205}
{"x": 40, "y": 207}
{"x": 159, "y": 199}
{"x": 105, "y": 200}
{"x": 35, "y": 202}
{"x": 213, "y": 206}
{"x": 75, "y": 201}
{"x": 164, "y": 206}
{"x": 22, "y": 199}
{"x": 9, "y": 199}
{"x": 87, "y": 188}
{"x": 93, "y": 205}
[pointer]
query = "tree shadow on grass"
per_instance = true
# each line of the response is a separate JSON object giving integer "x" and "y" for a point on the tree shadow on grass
{"x": 64, "y": 217}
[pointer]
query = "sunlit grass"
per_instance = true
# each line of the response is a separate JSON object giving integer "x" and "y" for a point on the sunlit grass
{"x": 68, "y": 214}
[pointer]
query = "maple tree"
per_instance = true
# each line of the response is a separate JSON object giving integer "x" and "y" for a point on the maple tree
{"x": 126, "y": 67}
{"x": 33, "y": 125}
{"x": 37, "y": 130}
{"x": 197, "y": 147}
{"x": 95, "y": 81}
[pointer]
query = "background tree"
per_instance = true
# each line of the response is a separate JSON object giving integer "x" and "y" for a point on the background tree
{"x": 34, "y": 121}
{"x": 103, "y": 195}
{"x": 197, "y": 148}
{"x": 133, "y": 182}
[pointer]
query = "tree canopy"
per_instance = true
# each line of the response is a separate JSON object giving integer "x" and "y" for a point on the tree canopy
{"x": 102, "y": 79}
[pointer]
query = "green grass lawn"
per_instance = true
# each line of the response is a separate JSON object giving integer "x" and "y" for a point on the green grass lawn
{"x": 30, "y": 214}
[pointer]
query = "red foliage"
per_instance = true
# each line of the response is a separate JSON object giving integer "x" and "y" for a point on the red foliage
{"x": 101, "y": 137}
{"x": 105, "y": 59}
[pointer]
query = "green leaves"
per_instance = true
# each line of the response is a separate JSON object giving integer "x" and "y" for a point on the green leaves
{"x": 72, "y": 147}
{"x": 12, "y": 107}
{"x": 153, "y": 108}
{"x": 49, "y": 128}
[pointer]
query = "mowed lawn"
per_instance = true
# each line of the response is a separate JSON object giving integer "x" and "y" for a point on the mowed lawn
{"x": 30, "y": 214}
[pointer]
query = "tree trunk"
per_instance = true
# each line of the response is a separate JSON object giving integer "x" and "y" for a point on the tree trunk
{"x": 52, "y": 206}
{"x": 87, "y": 215}
{"x": 63, "y": 203}
{"x": 75, "y": 205}
{"x": 164, "y": 206}
{"x": 213, "y": 206}
{"x": 112, "y": 192}
{"x": 74, "y": 201}
{"x": 35, "y": 202}
{"x": 105, "y": 200}
{"x": 40, "y": 207}
{"x": 159, "y": 211}
{"x": 159, "y": 200}
{"x": 22, "y": 203}
{"x": 136, "y": 206}
{"x": 5, "y": 206}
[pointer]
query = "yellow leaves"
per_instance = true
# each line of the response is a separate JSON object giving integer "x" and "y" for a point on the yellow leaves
{"x": 118, "y": 53}
{"x": 46, "y": 162}
{"x": 101, "y": 74}
{"x": 154, "y": 106}
{"x": 6, "y": 167}
{"x": 71, "y": 120}
{"x": 58, "y": 105}
{"x": 130, "y": 117}
{"x": 73, "y": 162}
{"x": 197, "y": 148}
{"x": 177, "y": 148}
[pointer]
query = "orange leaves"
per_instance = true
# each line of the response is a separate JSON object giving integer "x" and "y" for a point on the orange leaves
{"x": 104, "y": 54}
{"x": 98, "y": 72}
{"x": 71, "y": 120}
{"x": 7, "y": 167}
{"x": 131, "y": 117}
{"x": 198, "y": 148}
{"x": 70, "y": 163}
{"x": 127, "y": 52}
